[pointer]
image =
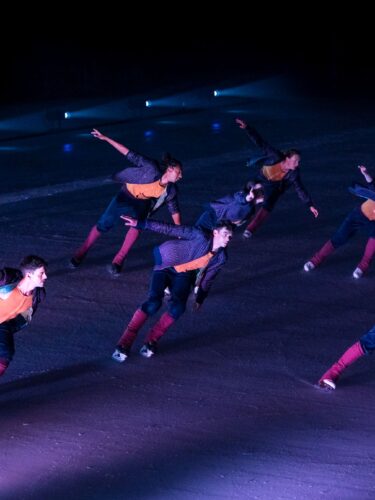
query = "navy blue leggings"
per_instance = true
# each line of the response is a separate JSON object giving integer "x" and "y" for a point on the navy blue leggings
{"x": 180, "y": 285}
{"x": 354, "y": 221}
{"x": 7, "y": 330}
{"x": 368, "y": 341}
{"x": 122, "y": 204}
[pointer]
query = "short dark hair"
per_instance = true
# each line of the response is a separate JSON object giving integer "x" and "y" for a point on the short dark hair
{"x": 31, "y": 263}
{"x": 291, "y": 152}
{"x": 169, "y": 161}
{"x": 251, "y": 185}
{"x": 227, "y": 224}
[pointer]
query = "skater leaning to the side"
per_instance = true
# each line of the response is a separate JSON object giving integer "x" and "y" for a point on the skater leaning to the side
{"x": 361, "y": 217}
{"x": 21, "y": 291}
{"x": 146, "y": 186}
{"x": 177, "y": 263}
{"x": 277, "y": 171}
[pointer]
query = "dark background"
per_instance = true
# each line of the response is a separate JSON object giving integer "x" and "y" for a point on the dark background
{"x": 109, "y": 54}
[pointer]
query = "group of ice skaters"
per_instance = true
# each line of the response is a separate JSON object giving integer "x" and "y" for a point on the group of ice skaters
{"x": 193, "y": 258}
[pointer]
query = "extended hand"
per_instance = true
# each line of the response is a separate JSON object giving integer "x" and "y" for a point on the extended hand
{"x": 98, "y": 134}
{"x": 129, "y": 221}
{"x": 365, "y": 173}
{"x": 363, "y": 169}
{"x": 314, "y": 211}
{"x": 241, "y": 123}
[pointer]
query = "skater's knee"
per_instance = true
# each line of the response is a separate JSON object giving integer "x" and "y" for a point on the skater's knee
{"x": 176, "y": 310}
{"x": 103, "y": 227}
{"x": 151, "y": 307}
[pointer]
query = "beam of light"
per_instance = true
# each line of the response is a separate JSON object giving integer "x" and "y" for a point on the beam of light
{"x": 111, "y": 110}
{"x": 265, "y": 88}
{"x": 33, "y": 122}
{"x": 237, "y": 111}
{"x": 181, "y": 101}
{"x": 167, "y": 122}
{"x": 10, "y": 148}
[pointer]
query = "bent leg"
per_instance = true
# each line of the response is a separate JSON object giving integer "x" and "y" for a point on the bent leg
{"x": 180, "y": 287}
{"x": 127, "y": 338}
{"x": 330, "y": 377}
{"x": 322, "y": 253}
{"x": 257, "y": 220}
{"x": 130, "y": 238}
{"x": 81, "y": 252}
{"x": 368, "y": 255}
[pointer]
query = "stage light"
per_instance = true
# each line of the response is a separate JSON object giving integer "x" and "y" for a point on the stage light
{"x": 147, "y": 104}
{"x": 216, "y": 93}
{"x": 67, "y": 115}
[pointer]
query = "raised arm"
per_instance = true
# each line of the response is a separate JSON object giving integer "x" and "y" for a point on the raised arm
{"x": 365, "y": 174}
{"x": 120, "y": 147}
{"x": 183, "y": 232}
{"x": 272, "y": 154}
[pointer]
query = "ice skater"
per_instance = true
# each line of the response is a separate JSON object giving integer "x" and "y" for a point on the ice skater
{"x": 176, "y": 265}
{"x": 21, "y": 290}
{"x": 145, "y": 188}
{"x": 278, "y": 171}
{"x": 361, "y": 217}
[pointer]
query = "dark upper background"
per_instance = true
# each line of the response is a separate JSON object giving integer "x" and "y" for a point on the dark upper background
{"x": 98, "y": 56}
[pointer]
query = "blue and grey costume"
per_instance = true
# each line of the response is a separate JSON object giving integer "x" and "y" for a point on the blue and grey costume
{"x": 192, "y": 244}
{"x": 274, "y": 189}
{"x": 232, "y": 208}
{"x": 145, "y": 171}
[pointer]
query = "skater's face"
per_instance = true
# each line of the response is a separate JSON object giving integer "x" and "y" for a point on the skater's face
{"x": 174, "y": 174}
{"x": 292, "y": 162}
{"x": 37, "y": 277}
{"x": 222, "y": 237}
{"x": 256, "y": 193}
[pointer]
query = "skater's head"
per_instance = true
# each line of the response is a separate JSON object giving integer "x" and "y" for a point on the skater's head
{"x": 222, "y": 234}
{"x": 292, "y": 159}
{"x": 34, "y": 270}
{"x": 173, "y": 169}
{"x": 255, "y": 192}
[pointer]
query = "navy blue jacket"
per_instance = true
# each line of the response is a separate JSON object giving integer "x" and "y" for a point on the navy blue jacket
{"x": 146, "y": 171}
{"x": 232, "y": 207}
{"x": 271, "y": 156}
{"x": 193, "y": 244}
